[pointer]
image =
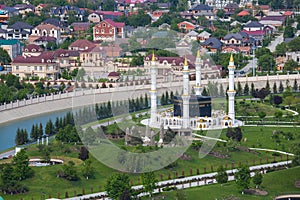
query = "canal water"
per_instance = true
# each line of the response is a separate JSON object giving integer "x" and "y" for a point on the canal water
{"x": 8, "y": 130}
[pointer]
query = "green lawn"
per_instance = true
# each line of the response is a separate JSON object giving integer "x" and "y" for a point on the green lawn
{"x": 45, "y": 180}
{"x": 274, "y": 183}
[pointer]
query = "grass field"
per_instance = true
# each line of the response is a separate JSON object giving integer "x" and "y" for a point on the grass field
{"x": 274, "y": 183}
{"x": 46, "y": 182}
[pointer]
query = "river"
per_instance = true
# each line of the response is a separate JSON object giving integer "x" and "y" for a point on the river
{"x": 8, "y": 130}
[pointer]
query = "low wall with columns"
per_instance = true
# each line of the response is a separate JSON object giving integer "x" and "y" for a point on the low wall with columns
{"x": 63, "y": 101}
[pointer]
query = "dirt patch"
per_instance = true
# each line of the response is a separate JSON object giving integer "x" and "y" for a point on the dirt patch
{"x": 246, "y": 149}
{"x": 297, "y": 184}
{"x": 256, "y": 192}
{"x": 218, "y": 155}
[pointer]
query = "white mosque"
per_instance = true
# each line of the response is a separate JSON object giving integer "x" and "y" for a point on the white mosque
{"x": 192, "y": 111}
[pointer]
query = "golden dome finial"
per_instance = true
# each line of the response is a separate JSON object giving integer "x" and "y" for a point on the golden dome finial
{"x": 198, "y": 53}
{"x": 153, "y": 57}
{"x": 185, "y": 62}
{"x": 231, "y": 58}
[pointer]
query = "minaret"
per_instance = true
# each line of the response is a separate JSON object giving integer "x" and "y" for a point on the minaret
{"x": 185, "y": 95}
{"x": 153, "y": 92}
{"x": 231, "y": 92}
{"x": 199, "y": 64}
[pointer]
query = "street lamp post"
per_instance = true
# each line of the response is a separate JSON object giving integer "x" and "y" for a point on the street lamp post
{"x": 253, "y": 52}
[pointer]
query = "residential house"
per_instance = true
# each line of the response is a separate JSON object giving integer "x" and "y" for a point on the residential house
{"x": 43, "y": 66}
{"x": 258, "y": 36}
{"x": 39, "y": 8}
{"x": 243, "y": 13}
{"x": 168, "y": 68}
{"x": 81, "y": 45}
{"x": 10, "y": 10}
{"x": 275, "y": 21}
{"x": 19, "y": 30}
{"x": 44, "y": 40}
{"x": 212, "y": 45}
{"x": 155, "y": 15}
{"x": 47, "y": 30}
{"x": 80, "y": 26}
{"x": 55, "y": 22}
{"x": 108, "y": 30}
{"x": 164, "y": 26}
{"x": 113, "y": 50}
{"x": 100, "y": 15}
{"x": 23, "y": 9}
{"x": 203, "y": 10}
{"x": 231, "y": 49}
{"x": 203, "y": 36}
{"x": 67, "y": 59}
{"x": 218, "y": 4}
{"x": 233, "y": 39}
{"x": 92, "y": 57}
{"x": 253, "y": 26}
{"x": 63, "y": 12}
{"x": 265, "y": 9}
{"x": 191, "y": 36}
{"x": 231, "y": 7}
{"x": 186, "y": 26}
{"x": 293, "y": 56}
{"x": 3, "y": 16}
{"x": 186, "y": 15}
{"x": 32, "y": 50}
{"x": 13, "y": 47}
{"x": 3, "y": 33}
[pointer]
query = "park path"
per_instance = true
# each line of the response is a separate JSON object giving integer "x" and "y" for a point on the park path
{"x": 272, "y": 150}
{"x": 194, "y": 183}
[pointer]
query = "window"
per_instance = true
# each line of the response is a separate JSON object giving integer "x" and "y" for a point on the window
{"x": 110, "y": 31}
{"x": 41, "y": 68}
{"x": 35, "y": 67}
{"x": 104, "y": 25}
{"x": 97, "y": 31}
{"x": 102, "y": 30}
{"x": 17, "y": 67}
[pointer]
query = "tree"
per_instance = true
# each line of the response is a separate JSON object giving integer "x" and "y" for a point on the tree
{"x": 280, "y": 87}
{"x": 4, "y": 56}
{"x": 246, "y": 89}
{"x": 262, "y": 51}
{"x": 239, "y": 89}
{"x": 21, "y": 165}
{"x": 252, "y": 91}
{"x": 89, "y": 136}
{"x": 235, "y": 134}
{"x": 222, "y": 176}
{"x": 68, "y": 172}
{"x": 288, "y": 32}
{"x": 88, "y": 169}
{"x": 290, "y": 65}
{"x": 274, "y": 88}
{"x": 278, "y": 114}
{"x": 109, "y": 5}
{"x": 116, "y": 185}
{"x": 242, "y": 178}
{"x": 277, "y": 99}
{"x": 281, "y": 49}
{"x": 84, "y": 153}
{"x": 49, "y": 129}
{"x": 268, "y": 87}
{"x": 21, "y": 137}
{"x": 257, "y": 179}
{"x": 149, "y": 182}
{"x": 266, "y": 62}
{"x": 262, "y": 115}
{"x": 294, "y": 45}
{"x": 295, "y": 86}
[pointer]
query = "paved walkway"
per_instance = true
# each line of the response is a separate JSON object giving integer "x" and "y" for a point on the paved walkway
{"x": 194, "y": 183}
{"x": 7, "y": 154}
{"x": 272, "y": 150}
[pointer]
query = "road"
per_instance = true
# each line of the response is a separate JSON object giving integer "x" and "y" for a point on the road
{"x": 194, "y": 179}
{"x": 273, "y": 44}
{"x": 7, "y": 154}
